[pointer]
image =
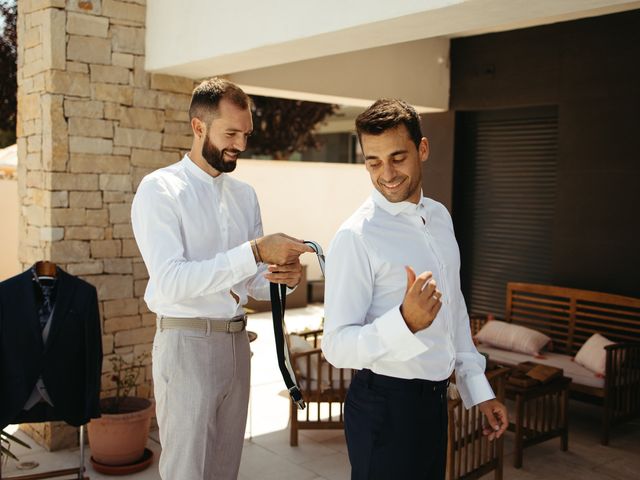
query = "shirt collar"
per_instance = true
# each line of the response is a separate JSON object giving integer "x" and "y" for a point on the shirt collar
{"x": 396, "y": 208}
{"x": 200, "y": 174}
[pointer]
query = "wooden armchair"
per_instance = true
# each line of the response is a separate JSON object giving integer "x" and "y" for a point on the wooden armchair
{"x": 324, "y": 387}
{"x": 469, "y": 454}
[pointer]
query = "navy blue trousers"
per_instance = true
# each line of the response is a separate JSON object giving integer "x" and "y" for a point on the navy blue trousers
{"x": 396, "y": 428}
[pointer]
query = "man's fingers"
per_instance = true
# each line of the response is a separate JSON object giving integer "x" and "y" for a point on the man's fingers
{"x": 281, "y": 277}
{"x": 298, "y": 244}
{"x": 421, "y": 282}
{"x": 305, "y": 248}
{"x": 291, "y": 238}
{"x": 436, "y": 309}
{"x": 429, "y": 288}
{"x": 293, "y": 249}
{"x": 496, "y": 416}
{"x": 434, "y": 299}
{"x": 502, "y": 416}
{"x": 493, "y": 422}
{"x": 287, "y": 267}
{"x": 411, "y": 277}
{"x": 489, "y": 433}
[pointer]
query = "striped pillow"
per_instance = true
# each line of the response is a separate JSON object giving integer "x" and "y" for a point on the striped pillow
{"x": 512, "y": 337}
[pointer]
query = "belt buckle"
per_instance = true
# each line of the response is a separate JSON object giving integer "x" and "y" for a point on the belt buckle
{"x": 228, "y": 326}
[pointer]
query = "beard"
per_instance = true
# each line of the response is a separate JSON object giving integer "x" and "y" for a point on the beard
{"x": 215, "y": 157}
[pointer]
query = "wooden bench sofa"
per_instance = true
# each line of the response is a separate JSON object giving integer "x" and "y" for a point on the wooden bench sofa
{"x": 570, "y": 316}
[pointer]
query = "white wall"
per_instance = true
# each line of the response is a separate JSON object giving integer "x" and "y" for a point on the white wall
{"x": 9, "y": 264}
{"x": 304, "y": 199}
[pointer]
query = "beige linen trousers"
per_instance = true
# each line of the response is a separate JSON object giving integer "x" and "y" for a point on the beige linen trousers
{"x": 201, "y": 385}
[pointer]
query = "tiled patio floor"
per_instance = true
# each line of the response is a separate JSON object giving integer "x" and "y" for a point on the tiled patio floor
{"x": 323, "y": 454}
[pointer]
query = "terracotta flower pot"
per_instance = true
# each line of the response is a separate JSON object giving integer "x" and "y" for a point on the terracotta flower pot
{"x": 120, "y": 438}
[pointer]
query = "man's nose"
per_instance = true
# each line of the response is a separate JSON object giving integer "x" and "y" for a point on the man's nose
{"x": 388, "y": 171}
{"x": 240, "y": 143}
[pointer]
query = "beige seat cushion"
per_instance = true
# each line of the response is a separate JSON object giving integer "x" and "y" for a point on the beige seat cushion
{"x": 515, "y": 338}
{"x": 578, "y": 374}
{"x": 592, "y": 354}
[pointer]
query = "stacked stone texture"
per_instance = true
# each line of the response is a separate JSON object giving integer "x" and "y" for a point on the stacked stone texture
{"x": 91, "y": 123}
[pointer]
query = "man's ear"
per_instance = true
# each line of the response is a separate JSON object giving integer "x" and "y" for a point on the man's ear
{"x": 198, "y": 127}
{"x": 423, "y": 149}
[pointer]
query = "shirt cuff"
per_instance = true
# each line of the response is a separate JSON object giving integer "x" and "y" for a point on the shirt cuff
{"x": 475, "y": 390}
{"x": 395, "y": 334}
{"x": 242, "y": 262}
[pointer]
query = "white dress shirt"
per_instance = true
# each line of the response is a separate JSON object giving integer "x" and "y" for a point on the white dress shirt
{"x": 193, "y": 231}
{"x": 365, "y": 286}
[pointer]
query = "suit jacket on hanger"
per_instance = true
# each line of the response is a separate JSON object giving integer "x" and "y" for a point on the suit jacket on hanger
{"x": 71, "y": 361}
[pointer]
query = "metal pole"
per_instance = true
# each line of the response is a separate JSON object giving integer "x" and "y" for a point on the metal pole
{"x": 81, "y": 469}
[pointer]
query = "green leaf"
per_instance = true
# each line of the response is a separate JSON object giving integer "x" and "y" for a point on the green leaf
{"x": 14, "y": 439}
{"x": 8, "y": 453}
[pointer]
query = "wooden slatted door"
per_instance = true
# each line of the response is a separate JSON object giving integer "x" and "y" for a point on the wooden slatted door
{"x": 504, "y": 200}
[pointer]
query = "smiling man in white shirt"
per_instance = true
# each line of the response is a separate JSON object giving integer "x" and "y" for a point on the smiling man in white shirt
{"x": 200, "y": 235}
{"x": 404, "y": 333}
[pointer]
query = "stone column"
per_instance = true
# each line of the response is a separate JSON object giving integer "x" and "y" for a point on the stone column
{"x": 91, "y": 124}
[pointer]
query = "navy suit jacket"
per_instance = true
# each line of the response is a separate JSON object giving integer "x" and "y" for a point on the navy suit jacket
{"x": 71, "y": 361}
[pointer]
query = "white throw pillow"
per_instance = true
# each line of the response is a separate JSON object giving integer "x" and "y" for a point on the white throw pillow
{"x": 592, "y": 354}
{"x": 515, "y": 338}
{"x": 298, "y": 344}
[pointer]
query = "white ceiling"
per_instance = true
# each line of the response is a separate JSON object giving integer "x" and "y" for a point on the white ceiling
{"x": 217, "y": 38}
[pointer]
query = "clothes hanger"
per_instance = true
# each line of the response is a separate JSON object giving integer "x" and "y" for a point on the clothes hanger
{"x": 46, "y": 270}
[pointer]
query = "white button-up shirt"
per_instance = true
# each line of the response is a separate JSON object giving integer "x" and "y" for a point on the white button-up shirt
{"x": 365, "y": 286}
{"x": 193, "y": 231}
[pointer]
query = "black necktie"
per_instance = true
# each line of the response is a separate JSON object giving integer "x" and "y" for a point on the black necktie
{"x": 48, "y": 292}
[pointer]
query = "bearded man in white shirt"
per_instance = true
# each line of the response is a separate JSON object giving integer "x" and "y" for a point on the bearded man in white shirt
{"x": 200, "y": 234}
{"x": 404, "y": 333}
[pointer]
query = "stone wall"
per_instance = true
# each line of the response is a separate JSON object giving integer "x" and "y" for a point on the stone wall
{"x": 91, "y": 124}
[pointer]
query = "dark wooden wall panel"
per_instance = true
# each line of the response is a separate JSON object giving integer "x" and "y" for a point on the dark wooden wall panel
{"x": 590, "y": 69}
{"x": 437, "y": 171}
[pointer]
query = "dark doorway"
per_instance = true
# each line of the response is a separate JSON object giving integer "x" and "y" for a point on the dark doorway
{"x": 505, "y": 183}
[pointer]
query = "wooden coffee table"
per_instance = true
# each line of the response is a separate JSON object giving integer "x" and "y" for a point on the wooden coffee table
{"x": 541, "y": 414}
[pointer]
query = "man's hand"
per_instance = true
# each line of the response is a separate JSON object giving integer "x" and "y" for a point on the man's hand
{"x": 497, "y": 417}
{"x": 289, "y": 274}
{"x": 280, "y": 249}
{"x": 421, "y": 301}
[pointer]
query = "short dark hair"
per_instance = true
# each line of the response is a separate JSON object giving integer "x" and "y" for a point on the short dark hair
{"x": 386, "y": 114}
{"x": 206, "y": 98}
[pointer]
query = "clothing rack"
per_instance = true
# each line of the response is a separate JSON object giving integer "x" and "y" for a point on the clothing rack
{"x": 77, "y": 473}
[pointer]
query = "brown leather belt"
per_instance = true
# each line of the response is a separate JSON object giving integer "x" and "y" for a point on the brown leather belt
{"x": 204, "y": 325}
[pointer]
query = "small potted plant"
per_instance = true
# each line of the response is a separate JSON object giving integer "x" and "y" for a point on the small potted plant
{"x": 119, "y": 436}
{"x": 5, "y": 447}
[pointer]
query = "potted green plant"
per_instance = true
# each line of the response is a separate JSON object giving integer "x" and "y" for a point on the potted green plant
{"x": 5, "y": 446}
{"x": 119, "y": 436}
